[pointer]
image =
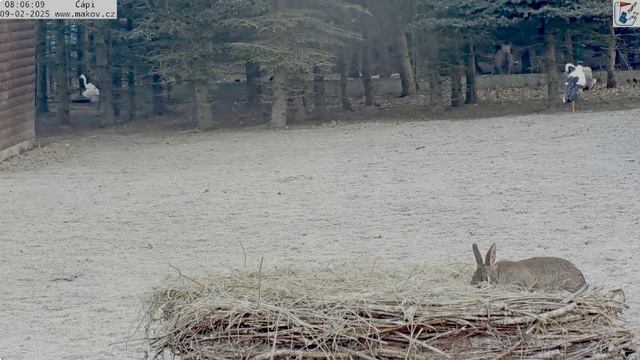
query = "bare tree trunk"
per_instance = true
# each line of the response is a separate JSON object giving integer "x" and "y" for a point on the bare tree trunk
{"x": 132, "y": 102}
{"x": 366, "y": 72}
{"x": 344, "y": 95}
{"x": 104, "y": 76}
{"x": 455, "y": 74}
{"x": 86, "y": 50}
{"x": 280, "y": 104}
{"x": 80, "y": 51}
{"x": 159, "y": 107}
{"x": 203, "y": 113}
{"x": 433, "y": 61}
{"x": 320, "y": 106}
{"x": 406, "y": 74}
{"x": 252, "y": 72}
{"x": 92, "y": 61}
{"x": 280, "y": 94}
{"x": 435, "y": 93}
{"x": 116, "y": 82}
{"x": 51, "y": 82}
{"x": 413, "y": 43}
{"x": 568, "y": 48}
{"x": 611, "y": 58}
{"x": 470, "y": 75}
{"x": 456, "y": 87}
{"x": 116, "y": 57}
{"x": 62, "y": 91}
{"x": 131, "y": 93}
{"x": 42, "y": 98}
{"x": 551, "y": 68}
{"x": 527, "y": 63}
{"x": 70, "y": 66}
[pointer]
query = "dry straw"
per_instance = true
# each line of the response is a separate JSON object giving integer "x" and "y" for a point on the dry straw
{"x": 348, "y": 313}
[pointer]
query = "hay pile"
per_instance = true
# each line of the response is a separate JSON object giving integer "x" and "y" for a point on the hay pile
{"x": 365, "y": 314}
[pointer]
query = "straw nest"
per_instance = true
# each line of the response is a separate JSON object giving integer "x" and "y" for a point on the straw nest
{"x": 347, "y": 313}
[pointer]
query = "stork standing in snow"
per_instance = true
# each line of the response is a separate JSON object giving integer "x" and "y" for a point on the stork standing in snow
{"x": 574, "y": 83}
{"x": 92, "y": 92}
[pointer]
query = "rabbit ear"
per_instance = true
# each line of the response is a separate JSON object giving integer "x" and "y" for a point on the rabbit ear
{"x": 490, "y": 260}
{"x": 476, "y": 252}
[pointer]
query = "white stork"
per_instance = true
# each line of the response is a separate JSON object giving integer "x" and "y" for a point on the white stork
{"x": 574, "y": 83}
{"x": 92, "y": 92}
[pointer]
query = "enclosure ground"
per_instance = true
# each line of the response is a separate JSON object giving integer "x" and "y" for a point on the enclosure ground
{"x": 90, "y": 223}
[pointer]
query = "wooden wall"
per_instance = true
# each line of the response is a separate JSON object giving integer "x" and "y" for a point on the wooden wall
{"x": 17, "y": 86}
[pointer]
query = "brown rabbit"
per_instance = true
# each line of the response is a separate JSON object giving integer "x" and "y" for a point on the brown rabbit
{"x": 543, "y": 273}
